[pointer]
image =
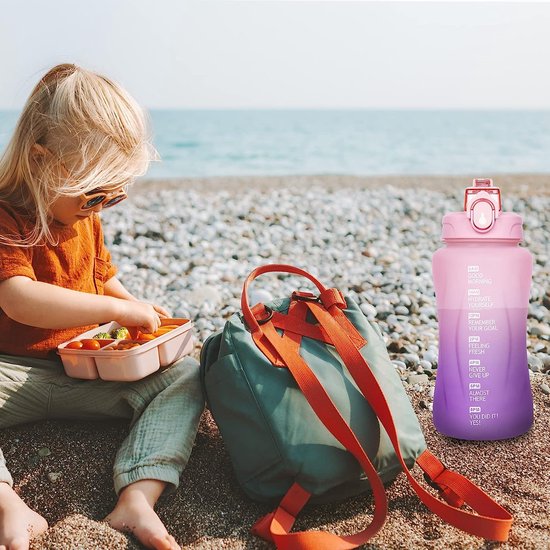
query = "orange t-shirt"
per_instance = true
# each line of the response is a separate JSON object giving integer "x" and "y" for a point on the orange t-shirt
{"x": 80, "y": 261}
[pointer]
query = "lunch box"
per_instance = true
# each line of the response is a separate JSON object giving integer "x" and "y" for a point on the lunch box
{"x": 128, "y": 364}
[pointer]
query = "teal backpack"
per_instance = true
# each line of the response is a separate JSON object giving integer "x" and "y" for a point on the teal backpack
{"x": 310, "y": 407}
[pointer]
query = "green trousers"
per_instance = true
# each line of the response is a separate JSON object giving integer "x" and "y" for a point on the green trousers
{"x": 164, "y": 411}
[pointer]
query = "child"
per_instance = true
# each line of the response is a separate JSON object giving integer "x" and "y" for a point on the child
{"x": 79, "y": 142}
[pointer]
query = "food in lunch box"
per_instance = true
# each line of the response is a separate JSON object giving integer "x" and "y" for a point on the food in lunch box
{"x": 148, "y": 336}
{"x": 167, "y": 328}
{"x": 102, "y": 339}
{"x": 75, "y": 344}
{"x": 102, "y": 336}
{"x": 90, "y": 344}
{"x": 126, "y": 345}
{"x": 120, "y": 333}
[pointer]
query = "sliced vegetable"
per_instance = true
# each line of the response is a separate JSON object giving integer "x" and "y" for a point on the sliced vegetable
{"x": 145, "y": 336}
{"x": 163, "y": 330}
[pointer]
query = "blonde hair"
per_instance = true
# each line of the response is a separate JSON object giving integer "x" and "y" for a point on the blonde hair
{"x": 87, "y": 124}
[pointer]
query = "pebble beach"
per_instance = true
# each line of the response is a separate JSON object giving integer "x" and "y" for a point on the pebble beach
{"x": 188, "y": 245}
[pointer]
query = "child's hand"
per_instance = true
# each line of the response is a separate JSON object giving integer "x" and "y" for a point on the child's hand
{"x": 161, "y": 311}
{"x": 139, "y": 314}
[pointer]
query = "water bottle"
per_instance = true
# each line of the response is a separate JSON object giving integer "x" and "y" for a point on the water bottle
{"x": 482, "y": 282}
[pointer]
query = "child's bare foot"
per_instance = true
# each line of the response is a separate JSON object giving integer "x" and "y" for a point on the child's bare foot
{"x": 18, "y": 523}
{"x": 134, "y": 513}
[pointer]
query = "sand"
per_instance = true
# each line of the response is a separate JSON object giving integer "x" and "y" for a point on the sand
{"x": 210, "y": 511}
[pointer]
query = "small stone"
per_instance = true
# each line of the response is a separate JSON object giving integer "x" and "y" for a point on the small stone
{"x": 417, "y": 379}
{"x": 401, "y": 310}
{"x": 369, "y": 310}
{"x": 54, "y": 476}
{"x": 370, "y": 252}
{"x": 44, "y": 452}
{"x": 426, "y": 365}
{"x": 411, "y": 359}
{"x": 432, "y": 392}
{"x": 534, "y": 311}
{"x": 399, "y": 365}
{"x": 429, "y": 312}
{"x": 411, "y": 348}
{"x": 424, "y": 404}
{"x": 182, "y": 313}
{"x": 33, "y": 461}
{"x": 535, "y": 364}
{"x": 545, "y": 389}
{"x": 540, "y": 330}
{"x": 430, "y": 356}
{"x": 259, "y": 296}
{"x": 205, "y": 294}
{"x": 203, "y": 324}
{"x": 383, "y": 311}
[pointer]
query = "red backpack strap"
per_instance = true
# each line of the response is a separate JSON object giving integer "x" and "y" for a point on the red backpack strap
{"x": 493, "y": 522}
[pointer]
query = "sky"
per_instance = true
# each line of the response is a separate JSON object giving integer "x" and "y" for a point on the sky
{"x": 217, "y": 54}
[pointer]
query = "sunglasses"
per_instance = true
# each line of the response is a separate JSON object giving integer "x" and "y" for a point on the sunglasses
{"x": 98, "y": 197}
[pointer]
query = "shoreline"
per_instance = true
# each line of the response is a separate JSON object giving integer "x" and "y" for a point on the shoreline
{"x": 514, "y": 184}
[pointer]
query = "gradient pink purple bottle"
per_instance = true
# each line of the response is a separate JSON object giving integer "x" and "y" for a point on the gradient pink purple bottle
{"x": 482, "y": 281}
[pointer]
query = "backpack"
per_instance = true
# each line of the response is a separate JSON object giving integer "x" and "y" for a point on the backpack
{"x": 310, "y": 408}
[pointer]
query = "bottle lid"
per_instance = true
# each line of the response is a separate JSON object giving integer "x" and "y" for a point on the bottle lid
{"x": 482, "y": 217}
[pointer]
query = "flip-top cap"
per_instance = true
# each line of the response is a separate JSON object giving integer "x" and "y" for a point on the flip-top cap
{"x": 482, "y": 217}
{"x": 482, "y": 204}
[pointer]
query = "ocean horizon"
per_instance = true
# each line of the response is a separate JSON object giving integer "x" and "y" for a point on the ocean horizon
{"x": 204, "y": 143}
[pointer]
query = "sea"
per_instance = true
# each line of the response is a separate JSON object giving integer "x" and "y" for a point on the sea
{"x": 203, "y": 143}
